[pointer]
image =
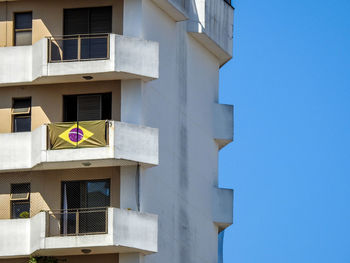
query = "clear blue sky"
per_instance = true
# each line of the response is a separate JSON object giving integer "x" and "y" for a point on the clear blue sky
{"x": 290, "y": 162}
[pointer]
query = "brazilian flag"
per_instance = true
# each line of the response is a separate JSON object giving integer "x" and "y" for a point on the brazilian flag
{"x": 82, "y": 134}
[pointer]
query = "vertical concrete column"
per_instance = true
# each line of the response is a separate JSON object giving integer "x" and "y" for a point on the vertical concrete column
{"x": 131, "y": 258}
{"x": 129, "y": 187}
{"x": 131, "y": 101}
{"x": 132, "y": 20}
{"x": 131, "y": 112}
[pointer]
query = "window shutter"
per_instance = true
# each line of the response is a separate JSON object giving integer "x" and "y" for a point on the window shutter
{"x": 76, "y": 21}
{"x": 89, "y": 108}
{"x": 101, "y": 20}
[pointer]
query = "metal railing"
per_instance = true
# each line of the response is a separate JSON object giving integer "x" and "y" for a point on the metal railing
{"x": 74, "y": 222}
{"x": 78, "y": 47}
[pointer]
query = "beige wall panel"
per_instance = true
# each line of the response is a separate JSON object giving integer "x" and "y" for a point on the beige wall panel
{"x": 47, "y": 100}
{"x": 2, "y": 24}
{"x": 48, "y": 16}
{"x": 46, "y": 187}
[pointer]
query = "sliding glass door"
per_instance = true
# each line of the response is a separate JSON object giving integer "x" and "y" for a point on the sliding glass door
{"x": 84, "y": 206}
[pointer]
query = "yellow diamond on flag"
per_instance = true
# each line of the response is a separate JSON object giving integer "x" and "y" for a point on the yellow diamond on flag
{"x": 76, "y": 135}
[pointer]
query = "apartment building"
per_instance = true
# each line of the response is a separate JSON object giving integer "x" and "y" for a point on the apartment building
{"x": 111, "y": 128}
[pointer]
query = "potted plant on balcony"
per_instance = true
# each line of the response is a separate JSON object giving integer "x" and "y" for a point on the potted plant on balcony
{"x": 24, "y": 214}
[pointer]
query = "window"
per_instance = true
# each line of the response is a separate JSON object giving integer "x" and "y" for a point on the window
{"x": 85, "y": 195}
{"x": 87, "y": 107}
{"x": 21, "y": 113}
{"x": 20, "y": 202}
{"x": 23, "y": 29}
{"x": 87, "y": 21}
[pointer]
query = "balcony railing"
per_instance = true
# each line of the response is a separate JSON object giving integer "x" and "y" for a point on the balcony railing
{"x": 74, "y": 222}
{"x": 78, "y": 47}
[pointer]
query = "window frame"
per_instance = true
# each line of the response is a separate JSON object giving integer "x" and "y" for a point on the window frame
{"x": 14, "y": 202}
{"x": 15, "y": 30}
{"x": 25, "y": 114}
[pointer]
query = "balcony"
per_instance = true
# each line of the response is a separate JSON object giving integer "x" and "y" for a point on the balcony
{"x": 71, "y": 58}
{"x": 126, "y": 144}
{"x": 211, "y": 24}
{"x": 124, "y": 231}
{"x": 78, "y": 48}
{"x": 223, "y": 124}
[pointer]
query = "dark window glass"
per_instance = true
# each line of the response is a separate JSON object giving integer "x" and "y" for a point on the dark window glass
{"x": 76, "y": 21}
{"x": 106, "y": 106}
{"x": 84, "y": 195}
{"x": 20, "y": 188}
{"x": 87, "y": 107}
{"x": 93, "y": 48}
{"x": 69, "y": 108}
{"x": 18, "y": 207}
{"x": 22, "y": 123}
{"x": 21, "y": 105}
{"x": 100, "y": 20}
{"x": 97, "y": 193}
{"x": 23, "y": 29}
{"x": 23, "y": 20}
{"x": 87, "y": 20}
{"x": 21, "y": 111}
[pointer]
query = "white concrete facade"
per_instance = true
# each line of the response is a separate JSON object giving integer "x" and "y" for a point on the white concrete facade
{"x": 128, "y": 232}
{"x": 129, "y": 144}
{"x": 175, "y": 91}
{"x": 183, "y": 104}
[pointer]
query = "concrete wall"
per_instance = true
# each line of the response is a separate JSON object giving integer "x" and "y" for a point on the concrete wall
{"x": 48, "y": 17}
{"x": 46, "y": 187}
{"x": 47, "y": 100}
{"x": 181, "y": 103}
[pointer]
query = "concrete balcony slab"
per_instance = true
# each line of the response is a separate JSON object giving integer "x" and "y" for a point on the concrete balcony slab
{"x": 222, "y": 207}
{"x": 129, "y": 144}
{"x": 211, "y": 24}
{"x": 128, "y": 232}
{"x": 174, "y": 8}
{"x": 128, "y": 58}
{"x": 223, "y": 124}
